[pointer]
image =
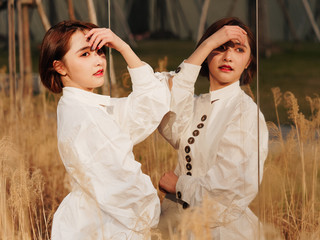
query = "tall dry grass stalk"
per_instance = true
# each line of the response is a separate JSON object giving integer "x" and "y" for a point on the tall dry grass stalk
{"x": 195, "y": 222}
{"x": 31, "y": 179}
{"x": 290, "y": 190}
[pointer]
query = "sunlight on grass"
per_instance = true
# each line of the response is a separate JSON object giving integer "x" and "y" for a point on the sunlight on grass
{"x": 33, "y": 180}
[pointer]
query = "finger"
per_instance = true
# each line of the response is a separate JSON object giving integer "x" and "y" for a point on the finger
{"x": 90, "y": 39}
{"x": 100, "y": 45}
{"x": 163, "y": 190}
{"x": 104, "y": 42}
{"x": 241, "y": 38}
{"x": 99, "y": 38}
{"x": 93, "y": 40}
{"x": 240, "y": 29}
{"x": 238, "y": 39}
{"x": 89, "y": 34}
{"x": 95, "y": 43}
{"x": 104, "y": 37}
{"x": 93, "y": 30}
{"x": 94, "y": 34}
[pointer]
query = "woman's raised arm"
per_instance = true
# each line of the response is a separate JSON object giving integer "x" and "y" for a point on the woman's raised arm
{"x": 98, "y": 37}
{"x": 217, "y": 39}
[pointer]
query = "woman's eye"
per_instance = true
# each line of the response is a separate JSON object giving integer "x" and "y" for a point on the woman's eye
{"x": 85, "y": 54}
{"x": 222, "y": 48}
{"x": 240, "y": 50}
{"x": 100, "y": 51}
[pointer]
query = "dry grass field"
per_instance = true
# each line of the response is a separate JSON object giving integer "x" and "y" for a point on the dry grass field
{"x": 33, "y": 180}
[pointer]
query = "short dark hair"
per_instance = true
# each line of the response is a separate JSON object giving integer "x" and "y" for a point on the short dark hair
{"x": 55, "y": 44}
{"x": 248, "y": 74}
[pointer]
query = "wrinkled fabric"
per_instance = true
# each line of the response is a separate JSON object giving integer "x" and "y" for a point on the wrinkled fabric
{"x": 220, "y": 131}
{"x": 111, "y": 198}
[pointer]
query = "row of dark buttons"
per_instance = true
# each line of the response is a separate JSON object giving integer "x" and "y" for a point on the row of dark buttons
{"x": 187, "y": 149}
{"x": 184, "y": 204}
{"x": 191, "y": 140}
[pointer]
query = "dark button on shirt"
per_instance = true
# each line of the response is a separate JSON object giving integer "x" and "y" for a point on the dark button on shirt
{"x": 179, "y": 194}
{"x": 188, "y": 158}
{"x": 187, "y": 149}
{"x": 189, "y": 166}
{"x": 191, "y": 140}
{"x": 203, "y": 118}
{"x": 200, "y": 125}
{"x": 178, "y": 69}
{"x": 195, "y": 133}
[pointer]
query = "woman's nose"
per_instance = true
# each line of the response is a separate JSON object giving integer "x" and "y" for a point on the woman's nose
{"x": 228, "y": 55}
{"x": 98, "y": 59}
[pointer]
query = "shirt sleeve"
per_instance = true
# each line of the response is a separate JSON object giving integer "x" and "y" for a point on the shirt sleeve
{"x": 176, "y": 121}
{"x": 140, "y": 113}
{"x": 98, "y": 156}
{"x": 232, "y": 181}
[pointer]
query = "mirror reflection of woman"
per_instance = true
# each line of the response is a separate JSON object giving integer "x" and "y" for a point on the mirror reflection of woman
{"x": 216, "y": 136}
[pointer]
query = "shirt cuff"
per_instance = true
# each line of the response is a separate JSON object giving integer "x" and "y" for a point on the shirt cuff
{"x": 182, "y": 188}
{"x": 186, "y": 74}
{"x": 142, "y": 75}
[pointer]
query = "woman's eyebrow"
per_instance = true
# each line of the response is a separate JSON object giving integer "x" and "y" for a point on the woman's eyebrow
{"x": 83, "y": 48}
{"x": 239, "y": 44}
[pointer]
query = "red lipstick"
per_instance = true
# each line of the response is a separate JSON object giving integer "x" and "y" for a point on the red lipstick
{"x": 99, "y": 73}
{"x": 226, "y": 68}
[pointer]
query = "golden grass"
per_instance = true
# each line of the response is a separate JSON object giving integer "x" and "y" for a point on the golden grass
{"x": 32, "y": 175}
{"x": 33, "y": 179}
{"x": 289, "y": 195}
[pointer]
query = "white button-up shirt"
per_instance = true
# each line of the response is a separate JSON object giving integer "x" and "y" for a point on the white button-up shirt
{"x": 111, "y": 198}
{"x": 216, "y": 135}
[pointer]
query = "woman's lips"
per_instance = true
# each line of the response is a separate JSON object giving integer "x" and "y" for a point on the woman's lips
{"x": 226, "y": 68}
{"x": 99, "y": 73}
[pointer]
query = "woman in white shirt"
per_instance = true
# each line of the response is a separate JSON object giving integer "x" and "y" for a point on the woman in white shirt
{"x": 216, "y": 135}
{"x": 111, "y": 198}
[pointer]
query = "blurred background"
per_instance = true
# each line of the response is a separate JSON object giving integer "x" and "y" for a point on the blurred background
{"x": 288, "y": 36}
{"x": 163, "y": 33}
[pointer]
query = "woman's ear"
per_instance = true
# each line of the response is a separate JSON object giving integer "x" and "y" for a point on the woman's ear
{"x": 248, "y": 63}
{"x": 59, "y": 67}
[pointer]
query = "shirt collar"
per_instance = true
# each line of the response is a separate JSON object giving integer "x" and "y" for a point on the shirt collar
{"x": 88, "y": 98}
{"x": 225, "y": 92}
